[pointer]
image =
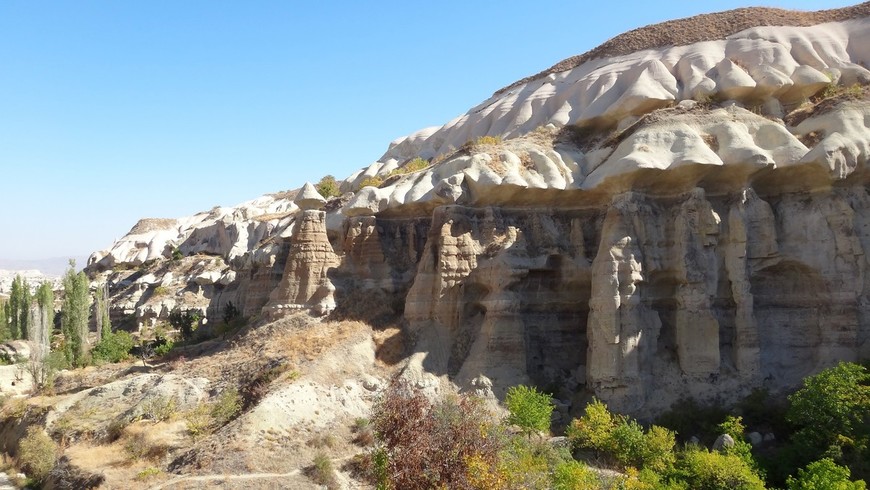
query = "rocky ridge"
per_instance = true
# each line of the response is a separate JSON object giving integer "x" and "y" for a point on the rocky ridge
{"x": 680, "y": 221}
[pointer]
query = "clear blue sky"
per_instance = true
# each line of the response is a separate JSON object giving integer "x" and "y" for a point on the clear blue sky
{"x": 114, "y": 111}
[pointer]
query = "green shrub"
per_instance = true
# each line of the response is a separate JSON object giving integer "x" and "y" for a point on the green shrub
{"x": 853, "y": 91}
{"x": 374, "y": 181}
{"x": 573, "y": 475}
{"x": 164, "y": 348}
{"x": 113, "y": 347}
{"x": 207, "y": 417}
{"x": 160, "y": 291}
{"x": 627, "y": 443}
{"x": 186, "y": 321}
{"x": 37, "y": 453}
{"x": 704, "y": 470}
{"x": 328, "y": 187}
{"x": 623, "y": 439}
{"x": 159, "y": 408}
{"x": 230, "y": 312}
{"x": 322, "y": 471}
{"x": 148, "y": 473}
{"x": 526, "y": 463}
{"x": 199, "y": 421}
{"x": 657, "y": 453}
{"x": 832, "y": 413}
{"x": 412, "y": 166}
{"x": 226, "y": 407}
{"x": 824, "y": 475}
{"x": 482, "y": 141}
{"x": 380, "y": 468}
{"x": 594, "y": 429}
{"x": 529, "y": 409}
{"x": 733, "y": 426}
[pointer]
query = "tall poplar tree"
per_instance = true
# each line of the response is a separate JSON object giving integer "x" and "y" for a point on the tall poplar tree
{"x": 41, "y": 333}
{"x": 18, "y": 308}
{"x": 74, "y": 314}
{"x": 4, "y": 323}
{"x": 101, "y": 311}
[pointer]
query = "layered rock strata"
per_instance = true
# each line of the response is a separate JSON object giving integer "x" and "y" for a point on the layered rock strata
{"x": 686, "y": 221}
{"x": 306, "y": 282}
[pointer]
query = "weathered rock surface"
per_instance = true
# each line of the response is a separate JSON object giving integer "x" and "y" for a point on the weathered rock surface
{"x": 306, "y": 282}
{"x": 676, "y": 222}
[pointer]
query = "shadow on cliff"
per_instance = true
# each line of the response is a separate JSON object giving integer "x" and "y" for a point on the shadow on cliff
{"x": 380, "y": 311}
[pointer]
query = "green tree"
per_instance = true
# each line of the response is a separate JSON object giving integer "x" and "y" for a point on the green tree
{"x": 574, "y": 475}
{"x": 113, "y": 347}
{"x": 627, "y": 442}
{"x": 704, "y": 470}
{"x": 594, "y": 429}
{"x": 733, "y": 426}
{"x": 45, "y": 303}
{"x": 74, "y": 315}
{"x": 328, "y": 187}
{"x": 185, "y": 321}
{"x": 657, "y": 453}
{"x": 832, "y": 413}
{"x": 18, "y": 308}
{"x": 4, "y": 323}
{"x": 824, "y": 474}
{"x": 529, "y": 409}
{"x": 101, "y": 312}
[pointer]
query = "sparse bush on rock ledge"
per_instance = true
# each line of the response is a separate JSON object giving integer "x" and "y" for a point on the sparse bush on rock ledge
{"x": 37, "y": 453}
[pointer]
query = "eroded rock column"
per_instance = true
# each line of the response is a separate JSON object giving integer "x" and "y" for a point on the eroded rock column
{"x": 306, "y": 282}
{"x": 697, "y": 331}
{"x": 751, "y": 234}
{"x": 618, "y": 320}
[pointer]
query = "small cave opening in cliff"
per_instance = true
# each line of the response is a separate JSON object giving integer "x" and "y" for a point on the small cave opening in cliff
{"x": 788, "y": 306}
{"x": 554, "y": 308}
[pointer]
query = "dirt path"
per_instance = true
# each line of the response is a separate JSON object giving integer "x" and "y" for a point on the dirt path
{"x": 244, "y": 476}
{"x": 207, "y": 478}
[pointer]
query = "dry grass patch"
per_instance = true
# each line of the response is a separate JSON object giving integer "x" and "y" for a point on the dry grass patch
{"x": 144, "y": 441}
{"x": 113, "y": 463}
{"x": 526, "y": 160}
{"x": 497, "y": 166}
{"x": 712, "y": 141}
{"x": 312, "y": 342}
{"x": 827, "y": 100}
{"x": 86, "y": 423}
{"x": 288, "y": 195}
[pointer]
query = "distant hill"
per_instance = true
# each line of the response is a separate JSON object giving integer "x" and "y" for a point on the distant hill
{"x": 52, "y": 267}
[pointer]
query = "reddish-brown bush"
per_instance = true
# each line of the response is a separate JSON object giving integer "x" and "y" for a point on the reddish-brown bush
{"x": 430, "y": 445}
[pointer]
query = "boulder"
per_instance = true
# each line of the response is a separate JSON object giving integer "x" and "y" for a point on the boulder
{"x": 723, "y": 442}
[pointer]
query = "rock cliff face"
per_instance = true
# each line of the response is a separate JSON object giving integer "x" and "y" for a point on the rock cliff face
{"x": 687, "y": 221}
